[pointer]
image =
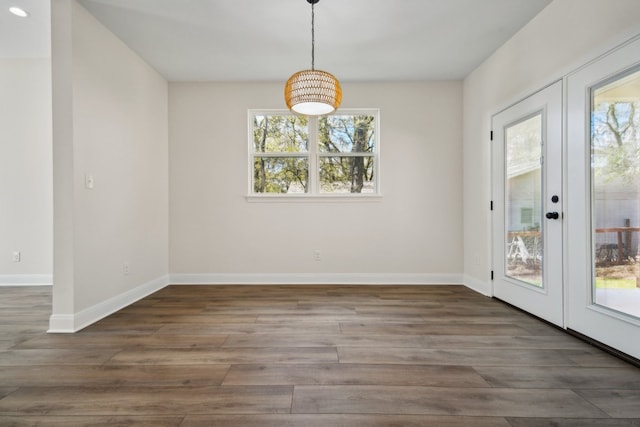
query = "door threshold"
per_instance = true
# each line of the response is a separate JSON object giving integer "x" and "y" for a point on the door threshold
{"x": 599, "y": 345}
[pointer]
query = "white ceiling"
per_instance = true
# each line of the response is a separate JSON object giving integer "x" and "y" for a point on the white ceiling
{"x": 268, "y": 40}
{"x": 25, "y": 37}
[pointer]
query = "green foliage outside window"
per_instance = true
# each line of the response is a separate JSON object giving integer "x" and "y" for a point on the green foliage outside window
{"x": 284, "y": 135}
{"x": 343, "y": 148}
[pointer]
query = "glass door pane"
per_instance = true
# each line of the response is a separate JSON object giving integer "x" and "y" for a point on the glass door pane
{"x": 615, "y": 181}
{"x": 523, "y": 198}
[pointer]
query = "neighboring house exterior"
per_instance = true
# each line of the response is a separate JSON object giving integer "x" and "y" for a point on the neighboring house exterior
{"x": 615, "y": 206}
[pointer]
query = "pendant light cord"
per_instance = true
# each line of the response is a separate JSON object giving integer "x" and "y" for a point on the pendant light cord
{"x": 313, "y": 38}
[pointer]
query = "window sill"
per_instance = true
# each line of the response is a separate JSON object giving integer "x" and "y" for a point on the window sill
{"x": 314, "y": 198}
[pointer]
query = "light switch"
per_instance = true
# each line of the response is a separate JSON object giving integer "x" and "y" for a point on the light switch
{"x": 88, "y": 181}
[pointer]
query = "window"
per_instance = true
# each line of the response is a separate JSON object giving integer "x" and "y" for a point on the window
{"x": 526, "y": 216}
{"x": 332, "y": 155}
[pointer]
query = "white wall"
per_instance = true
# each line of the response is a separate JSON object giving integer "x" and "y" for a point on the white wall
{"x": 413, "y": 234}
{"x": 26, "y": 191}
{"x": 564, "y": 36}
{"x": 110, "y": 121}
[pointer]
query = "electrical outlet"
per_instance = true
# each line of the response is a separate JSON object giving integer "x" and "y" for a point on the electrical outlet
{"x": 126, "y": 269}
{"x": 316, "y": 255}
{"x": 16, "y": 256}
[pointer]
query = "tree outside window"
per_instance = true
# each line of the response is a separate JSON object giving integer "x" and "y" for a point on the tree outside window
{"x": 336, "y": 154}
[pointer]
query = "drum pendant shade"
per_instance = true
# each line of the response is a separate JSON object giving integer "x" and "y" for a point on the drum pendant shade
{"x": 312, "y": 92}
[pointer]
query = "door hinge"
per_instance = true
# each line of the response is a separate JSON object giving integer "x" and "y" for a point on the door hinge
{"x": 491, "y": 135}
{"x": 491, "y": 205}
{"x": 491, "y": 274}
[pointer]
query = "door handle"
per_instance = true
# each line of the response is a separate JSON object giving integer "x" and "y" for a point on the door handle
{"x": 552, "y": 215}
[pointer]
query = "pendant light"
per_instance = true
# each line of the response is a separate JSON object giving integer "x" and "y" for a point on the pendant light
{"x": 312, "y": 92}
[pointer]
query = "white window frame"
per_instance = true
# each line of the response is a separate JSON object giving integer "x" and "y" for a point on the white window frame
{"x": 314, "y": 156}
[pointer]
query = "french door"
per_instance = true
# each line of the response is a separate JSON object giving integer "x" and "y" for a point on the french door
{"x": 527, "y": 217}
{"x": 603, "y": 164}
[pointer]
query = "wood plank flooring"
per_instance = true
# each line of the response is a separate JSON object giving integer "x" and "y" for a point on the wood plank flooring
{"x": 306, "y": 356}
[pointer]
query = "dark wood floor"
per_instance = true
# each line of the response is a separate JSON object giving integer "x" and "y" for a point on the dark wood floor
{"x": 306, "y": 355}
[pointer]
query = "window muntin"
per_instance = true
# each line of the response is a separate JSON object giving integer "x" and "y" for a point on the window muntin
{"x": 331, "y": 155}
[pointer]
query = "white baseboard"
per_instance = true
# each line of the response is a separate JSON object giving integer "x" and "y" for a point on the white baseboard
{"x": 61, "y": 324}
{"x": 26, "y": 279}
{"x": 477, "y": 285}
{"x": 315, "y": 278}
{"x": 70, "y": 323}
